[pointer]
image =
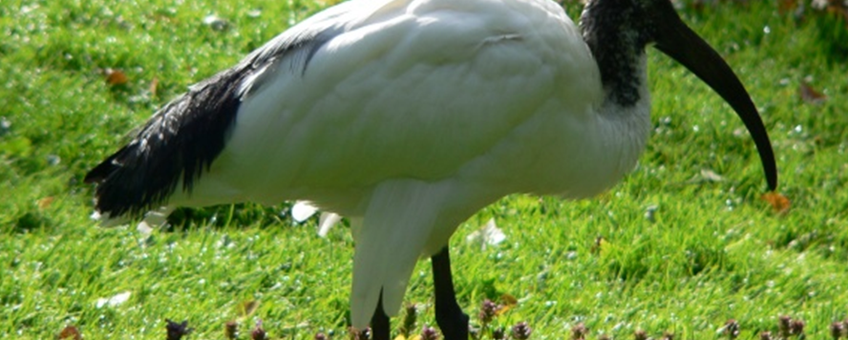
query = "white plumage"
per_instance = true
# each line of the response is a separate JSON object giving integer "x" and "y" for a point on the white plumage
{"x": 408, "y": 116}
{"x": 417, "y": 115}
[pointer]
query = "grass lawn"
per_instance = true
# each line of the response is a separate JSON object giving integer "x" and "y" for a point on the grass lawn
{"x": 683, "y": 244}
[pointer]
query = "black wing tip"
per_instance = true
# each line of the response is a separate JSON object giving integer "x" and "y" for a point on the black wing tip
{"x": 174, "y": 147}
{"x": 120, "y": 189}
{"x": 110, "y": 198}
{"x": 103, "y": 170}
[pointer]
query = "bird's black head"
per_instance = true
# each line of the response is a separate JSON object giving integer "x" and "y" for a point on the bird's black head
{"x": 629, "y": 23}
{"x": 617, "y": 32}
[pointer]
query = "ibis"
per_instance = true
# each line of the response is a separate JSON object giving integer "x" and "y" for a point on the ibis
{"x": 408, "y": 116}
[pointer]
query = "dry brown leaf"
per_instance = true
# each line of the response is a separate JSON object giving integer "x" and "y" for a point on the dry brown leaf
{"x": 507, "y": 302}
{"x": 115, "y": 77}
{"x": 247, "y": 308}
{"x": 838, "y": 9}
{"x": 780, "y": 203}
{"x": 154, "y": 85}
{"x": 810, "y": 95}
{"x": 786, "y": 6}
{"x": 502, "y": 309}
{"x": 45, "y": 203}
{"x": 70, "y": 332}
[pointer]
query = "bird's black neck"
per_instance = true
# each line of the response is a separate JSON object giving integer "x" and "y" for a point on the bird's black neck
{"x": 618, "y": 47}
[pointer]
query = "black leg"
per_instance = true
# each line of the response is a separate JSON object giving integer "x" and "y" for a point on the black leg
{"x": 380, "y": 322}
{"x": 451, "y": 319}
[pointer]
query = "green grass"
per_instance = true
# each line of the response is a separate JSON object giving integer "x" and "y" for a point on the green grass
{"x": 711, "y": 251}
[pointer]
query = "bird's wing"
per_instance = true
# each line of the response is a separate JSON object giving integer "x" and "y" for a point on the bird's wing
{"x": 183, "y": 138}
{"x": 412, "y": 89}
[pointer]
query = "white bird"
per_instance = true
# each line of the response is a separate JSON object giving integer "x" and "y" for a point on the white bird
{"x": 408, "y": 116}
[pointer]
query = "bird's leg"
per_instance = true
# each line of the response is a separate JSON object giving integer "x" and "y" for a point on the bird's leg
{"x": 451, "y": 319}
{"x": 380, "y": 322}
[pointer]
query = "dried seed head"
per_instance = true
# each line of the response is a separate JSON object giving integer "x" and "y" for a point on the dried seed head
{"x": 487, "y": 311}
{"x": 731, "y": 329}
{"x": 845, "y": 328}
{"x": 796, "y": 327}
{"x": 474, "y": 332}
{"x": 579, "y": 331}
{"x": 258, "y": 333}
{"x": 783, "y": 323}
{"x": 231, "y": 330}
{"x": 765, "y": 335}
{"x": 429, "y": 333}
{"x": 499, "y": 333}
{"x": 176, "y": 331}
{"x": 836, "y": 329}
{"x": 409, "y": 318}
{"x": 355, "y": 334}
{"x": 521, "y": 331}
{"x": 640, "y": 335}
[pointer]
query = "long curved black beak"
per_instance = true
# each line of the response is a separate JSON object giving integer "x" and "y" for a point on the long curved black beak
{"x": 678, "y": 41}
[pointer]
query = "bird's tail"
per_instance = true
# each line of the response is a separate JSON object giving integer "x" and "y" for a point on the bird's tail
{"x": 173, "y": 148}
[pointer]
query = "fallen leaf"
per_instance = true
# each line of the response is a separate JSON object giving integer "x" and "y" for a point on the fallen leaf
{"x": 255, "y": 13}
{"x": 810, "y": 95}
{"x": 327, "y": 221}
{"x": 488, "y": 235}
{"x": 779, "y": 202}
{"x": 113, "y": 301}
{"x": 247, "y": 308}
{"x": 154, "y": 85}
{"x": 303, "y": 210}
{"x": 840, "y": 10}
{"x": 45, "y": 203}
{"x": 786, "y": 6}
{"x": 115, "y": 77}
{"x": 507, "y": 302}
{"x": 216, "y": 23}
{"x": 711, "y": 176}
{"x": 70, "y": 332}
